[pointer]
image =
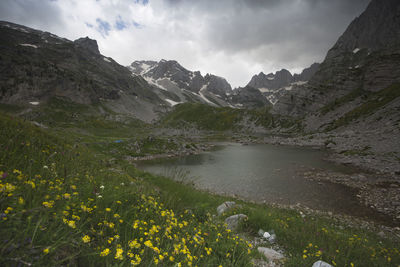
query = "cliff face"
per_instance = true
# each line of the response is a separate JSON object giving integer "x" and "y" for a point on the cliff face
{"x": 365, "y": 57}
{"x": 37, "y": 66}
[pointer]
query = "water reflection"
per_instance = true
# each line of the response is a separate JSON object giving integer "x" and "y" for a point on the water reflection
{"x": 265, "y": 173}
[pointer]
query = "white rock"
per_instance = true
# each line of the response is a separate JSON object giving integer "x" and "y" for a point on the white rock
{"x": 321, "y": 264}
{"x": 266, "y": 235}
{"x": 224, "y": 207}
{"x": 270, "y": 254}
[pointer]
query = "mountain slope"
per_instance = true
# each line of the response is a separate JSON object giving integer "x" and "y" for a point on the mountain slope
{"x": 36, "y": 66}
{"x": 274, "y": 86}
{"x": 176, "y": 84}
{"x": 366, "y": 57}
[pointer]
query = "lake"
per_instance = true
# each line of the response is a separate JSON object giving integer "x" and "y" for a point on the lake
{"x": 265, "y": 173}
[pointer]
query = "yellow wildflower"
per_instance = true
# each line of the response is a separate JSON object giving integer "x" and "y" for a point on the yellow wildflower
{"x": 71, "y": 224}
{"x": 105, "y": 252}
{"x": 118, "y": 254}
{"x": 86, "y": 239}
{"x": 46, "y": 250}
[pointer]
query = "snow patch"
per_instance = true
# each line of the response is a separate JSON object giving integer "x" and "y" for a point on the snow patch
{"x": 153, "y": 82}
{"x": 16, "y": 28}
{"x": 202, "y": 96}
{"x": 35, "y": 103}
{"x": 272, "y": 99}
{"x": 106, "y": 59}
{"x": 145, "y": 68}
{"x": 266, "y": 90}
{"x": 172, "y": 102}
{"x": 271, "y": 78}
{"x": 356, "y": 67}
{"x": 356, "y": 50}
{"x": 29, "y": 45}
{"x": 299, "y": 83}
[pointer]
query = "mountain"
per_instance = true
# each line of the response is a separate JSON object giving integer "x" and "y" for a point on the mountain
{"x": 274, "y": 86}
{"x": 271, "y": 81}
{"x": 37, "y": 66}
{"x": 307, "y": 73}
{"x": 249, "y": 97}
{"x": 178, "y": 85}
{"x": 364, "y": 59}
{"x": 352, "y": 103}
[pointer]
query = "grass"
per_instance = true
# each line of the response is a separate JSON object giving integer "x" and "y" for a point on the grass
{"x": 343, "y": 100}
{"x": 61, "y": 206}
{"x": 206, "y": 117}
{"x": 373, "y": 102}
{"x": 64, "y": 203}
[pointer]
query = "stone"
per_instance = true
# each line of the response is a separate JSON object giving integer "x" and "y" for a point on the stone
{"x": 270, "y": 254}
{"x": 261, "y": 232}
{"x": 233, "y": 221}
{"x": 321, "y": 264}
{"x": 224, "y": 207}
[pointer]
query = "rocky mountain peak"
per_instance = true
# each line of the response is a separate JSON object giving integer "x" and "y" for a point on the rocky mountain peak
{"x": 217, "y": 85}
{"x": 88, "y": 44}
{"x": 307, "y": 73}
{"x": 271, "y": 81}
{"x": 375, "y": 28}
{"x": 371, "y": 38}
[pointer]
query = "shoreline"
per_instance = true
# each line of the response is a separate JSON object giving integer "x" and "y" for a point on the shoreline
{"x": 377, "y": 191}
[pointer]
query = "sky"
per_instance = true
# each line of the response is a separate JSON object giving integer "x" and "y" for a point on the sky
{"x": 235, "y": 39}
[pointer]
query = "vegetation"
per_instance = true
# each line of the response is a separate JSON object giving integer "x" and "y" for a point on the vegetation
{"x": 206, "y": 117}
{"x": 66, "y": 204}
{"x": 62, "y": 205}
{"x": 373, "y": 102}
{"x": 343, "y": 100}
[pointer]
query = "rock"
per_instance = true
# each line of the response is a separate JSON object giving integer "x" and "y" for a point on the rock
{"x": 224, "y": 207}
{"x": 321, "y": 264}
{"x": 88, "y": 44}
{"x": 261, "y": 232}
{"x": 266, "y": 235}
{"x": 381, "y": 234}
{"x": 270, "y": 254}
{"x": 233, "y": 221}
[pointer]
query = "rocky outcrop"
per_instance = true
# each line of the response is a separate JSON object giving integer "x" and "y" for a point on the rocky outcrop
{"x": 307, "y": 73}
{"x": 249, "y": 97}
{"x": 88, "y": 44}
{"x": 271, "y": 81}
{"x": 217, "y": 85}
{"x": 366, "y": 57}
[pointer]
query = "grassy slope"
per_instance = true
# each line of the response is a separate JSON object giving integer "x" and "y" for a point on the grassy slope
{"x": 210, "y": 118}
{"x": 49, "y": 186}
{"x": 373, "y": 102}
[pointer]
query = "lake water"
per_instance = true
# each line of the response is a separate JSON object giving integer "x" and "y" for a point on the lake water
{"x": 265, "y": 173}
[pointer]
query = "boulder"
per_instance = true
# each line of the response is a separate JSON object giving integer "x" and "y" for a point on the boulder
{"x": 270, "y": 254}
{"x": 321, "y": 264}
{"x": 224, "y": 207}
{"x": 233, "y": 221}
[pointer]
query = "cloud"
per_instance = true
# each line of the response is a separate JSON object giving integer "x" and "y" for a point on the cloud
{"x": 233, "y": 39}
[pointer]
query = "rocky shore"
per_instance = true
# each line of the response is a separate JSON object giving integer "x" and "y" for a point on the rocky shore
{"x": 376, "y": 176}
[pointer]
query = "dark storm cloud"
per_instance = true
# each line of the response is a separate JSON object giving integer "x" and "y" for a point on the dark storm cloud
{"x": 230, "y": 38}
{"x": 301, "y": 27}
